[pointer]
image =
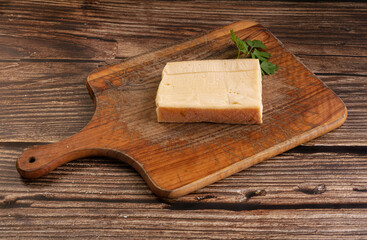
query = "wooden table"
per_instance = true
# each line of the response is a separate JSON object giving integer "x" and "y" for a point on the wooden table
{"x": 48, "y": 48}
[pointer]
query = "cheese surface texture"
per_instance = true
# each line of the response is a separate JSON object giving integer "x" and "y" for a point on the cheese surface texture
{"x": 222, "y": 91}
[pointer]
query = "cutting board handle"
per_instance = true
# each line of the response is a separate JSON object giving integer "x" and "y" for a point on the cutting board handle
{"x": 40, "y": 160}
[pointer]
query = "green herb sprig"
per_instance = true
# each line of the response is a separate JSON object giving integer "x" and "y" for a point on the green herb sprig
{"x": 253, "y": 49}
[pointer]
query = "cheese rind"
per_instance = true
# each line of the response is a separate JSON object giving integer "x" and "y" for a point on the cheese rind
{"x": 222, "y": 91}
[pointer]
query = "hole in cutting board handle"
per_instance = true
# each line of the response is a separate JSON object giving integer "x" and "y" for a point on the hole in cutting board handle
{"x": 32, "y": 159}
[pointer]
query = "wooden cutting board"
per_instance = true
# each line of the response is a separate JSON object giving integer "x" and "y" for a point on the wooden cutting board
{"x": 175, "y": 158}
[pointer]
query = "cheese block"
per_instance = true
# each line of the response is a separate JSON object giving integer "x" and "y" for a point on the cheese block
{"x": 221, "y": 91}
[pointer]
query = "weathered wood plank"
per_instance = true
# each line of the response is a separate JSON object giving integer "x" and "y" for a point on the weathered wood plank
{"x": 99, "y": 31}
{"x": 48, "y": 101}
{"x": 303, "y": 176}
{"x": 33, "y": 106}
{"x": 131, "y": 223}
{"x": 107, "y": 198}
{"x": 353, "y": 91}
{"x": 85, "y": 33}
{"x": 85, "y": 30}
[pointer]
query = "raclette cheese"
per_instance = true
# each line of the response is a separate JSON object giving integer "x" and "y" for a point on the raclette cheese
{"x": 221, "y": 91}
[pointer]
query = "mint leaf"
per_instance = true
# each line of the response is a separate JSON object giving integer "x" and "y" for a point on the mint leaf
{"x": 268, "y": 67}
{"x": 253, "y": 49}
{"x": 234, "y": 38}
{"x": 242, "y": 46}
{"x": 262, "y": 56}
{"x": 258, "y": 44}
{"x": 250, "y": 43}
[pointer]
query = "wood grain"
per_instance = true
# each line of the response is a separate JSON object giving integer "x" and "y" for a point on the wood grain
{"x": 94, "y": 35}
{"x": 284, "y": 181}
{"x": 104, "y": 198}
{"x": 73, "y": 197}
{"x": 176, "y": 159}
{"x": 38, "y": 107}
{"x": 130, "y": 223}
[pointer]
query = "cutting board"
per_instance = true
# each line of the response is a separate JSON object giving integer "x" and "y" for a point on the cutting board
{"x": 175, "y": 158}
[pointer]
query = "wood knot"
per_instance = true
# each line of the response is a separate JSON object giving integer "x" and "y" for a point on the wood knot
{"x": 9, "y": 200}
{"x": 311, "y": 189}
{"x": 252, "y": 193}
{"x": 200, "y": 198}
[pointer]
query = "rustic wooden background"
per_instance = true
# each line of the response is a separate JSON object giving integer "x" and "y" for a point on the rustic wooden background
{"x": 48, "y": 48}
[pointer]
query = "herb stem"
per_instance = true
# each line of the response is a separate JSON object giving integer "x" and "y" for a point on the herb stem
{"x": 248, "y": 52}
